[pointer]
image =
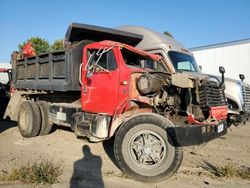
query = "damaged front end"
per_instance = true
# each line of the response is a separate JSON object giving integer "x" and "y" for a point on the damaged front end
{"x": 197, "y": 106}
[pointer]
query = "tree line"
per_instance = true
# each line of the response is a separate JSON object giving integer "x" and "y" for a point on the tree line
{"x": 42, "y": 45}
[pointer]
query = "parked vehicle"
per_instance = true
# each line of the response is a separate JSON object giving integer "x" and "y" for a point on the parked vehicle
{"x": 238, "y": 98}
{"x": 107, "y": 88}
{"x": 4, "y": 91}
{"x": 180, "y": 59}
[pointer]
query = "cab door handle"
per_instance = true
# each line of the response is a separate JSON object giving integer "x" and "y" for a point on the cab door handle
{"x": 84, "y": 90}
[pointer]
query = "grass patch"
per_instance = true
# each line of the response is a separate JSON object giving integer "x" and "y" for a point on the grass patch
{"x": 232, "y": 170}
{"x": 109, "y": 173}
{"x": 229, "y": 170}
{"x": 45, "y": 172}
{"x": 123, "y": 175}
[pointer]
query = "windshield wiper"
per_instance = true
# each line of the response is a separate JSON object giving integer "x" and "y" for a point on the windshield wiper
{"x": 186, "y": 70}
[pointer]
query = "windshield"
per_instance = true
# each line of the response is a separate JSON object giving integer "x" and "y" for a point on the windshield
{"x": 183, "y": 62}
{"x": 136, "y": 60}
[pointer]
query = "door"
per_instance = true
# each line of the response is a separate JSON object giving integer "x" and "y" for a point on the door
{"x": 100, "y": 83}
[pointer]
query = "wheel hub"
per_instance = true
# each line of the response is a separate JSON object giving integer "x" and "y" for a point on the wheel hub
{"x": 147, "y": 149}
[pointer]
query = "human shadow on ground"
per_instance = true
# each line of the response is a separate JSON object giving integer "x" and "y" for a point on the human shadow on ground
{"x": 87, "y": 171}
{"x": 5, "y": 125}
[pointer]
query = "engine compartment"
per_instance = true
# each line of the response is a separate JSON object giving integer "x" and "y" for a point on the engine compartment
{"x": 182, "y": 99}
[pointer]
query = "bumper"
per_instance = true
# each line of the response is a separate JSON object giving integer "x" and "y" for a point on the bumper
{"x": 246, "y": 116}
{"x": 196, "y": 134}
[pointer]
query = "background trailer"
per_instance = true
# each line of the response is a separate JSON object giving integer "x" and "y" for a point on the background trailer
{"x": 234, "y": 56}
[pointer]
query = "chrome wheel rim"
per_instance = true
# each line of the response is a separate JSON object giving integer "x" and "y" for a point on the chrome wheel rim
{"x": 147, "y": 149}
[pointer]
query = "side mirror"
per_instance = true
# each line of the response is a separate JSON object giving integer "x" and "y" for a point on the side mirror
{"x": 200, "y": 67}
{"x": 222, "y": 71}
{"x": 242, "y": 77}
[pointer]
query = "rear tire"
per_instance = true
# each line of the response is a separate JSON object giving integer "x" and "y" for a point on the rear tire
{"x": 144, "y": 150}
{"x": 29, "y": 119}
{"x": 45, "y": 125}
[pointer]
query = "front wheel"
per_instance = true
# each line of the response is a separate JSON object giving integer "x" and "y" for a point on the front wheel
{"x": 144, "y": 150}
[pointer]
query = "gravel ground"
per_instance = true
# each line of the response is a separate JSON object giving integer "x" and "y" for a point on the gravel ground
{"x": 97, "y": 166}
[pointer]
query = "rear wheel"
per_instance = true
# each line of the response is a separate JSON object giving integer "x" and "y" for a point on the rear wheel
{"x": 29, "y": 119}
{"x": 45, "y": 125}
{"x": 144, "y": 150}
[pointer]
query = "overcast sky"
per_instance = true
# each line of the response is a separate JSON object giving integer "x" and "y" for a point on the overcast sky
{"x": 192, "y": 22}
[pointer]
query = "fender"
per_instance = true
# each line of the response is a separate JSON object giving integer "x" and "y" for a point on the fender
{"x": 237, "y": 101}
{"x": 132, "y": 114}
{"x": 126, "y": 116}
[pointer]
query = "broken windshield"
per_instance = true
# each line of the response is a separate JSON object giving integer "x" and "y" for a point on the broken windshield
{"x": 136, "y": 60}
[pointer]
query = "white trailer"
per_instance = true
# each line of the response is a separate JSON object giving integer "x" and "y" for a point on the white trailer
{"x": 234, "y": 56}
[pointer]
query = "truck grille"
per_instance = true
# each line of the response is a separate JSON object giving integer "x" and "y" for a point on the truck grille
{"x": 211, "y": 94}
{"x": 246, "y": 97}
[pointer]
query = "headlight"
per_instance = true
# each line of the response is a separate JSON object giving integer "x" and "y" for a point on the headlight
{"x": 149, "y": 84}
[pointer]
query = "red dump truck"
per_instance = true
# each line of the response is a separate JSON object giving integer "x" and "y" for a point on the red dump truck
{"x": 105, "y": 89}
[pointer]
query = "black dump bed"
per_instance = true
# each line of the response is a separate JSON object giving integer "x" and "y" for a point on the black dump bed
{"x": 59, "y": 71}
{"x": 79, "y": 32}
{"x": 54, "y": 71}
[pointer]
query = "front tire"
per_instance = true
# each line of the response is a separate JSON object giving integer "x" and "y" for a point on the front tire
{"x": 144, "y": 150}
{"x": 29, "y": 119}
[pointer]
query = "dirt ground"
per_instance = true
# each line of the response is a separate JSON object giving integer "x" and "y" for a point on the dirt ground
{"x": 96, "y": 164}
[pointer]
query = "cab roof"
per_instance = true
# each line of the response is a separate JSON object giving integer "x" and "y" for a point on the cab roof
{"x": 154, "y": 40}
{"x": 113, "y": 44}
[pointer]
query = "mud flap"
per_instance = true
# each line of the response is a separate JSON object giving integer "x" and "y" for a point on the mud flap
{"x": 15, "y": 101}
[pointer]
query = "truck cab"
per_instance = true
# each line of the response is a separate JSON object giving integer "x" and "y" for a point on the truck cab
{"x": 238, "y": 98}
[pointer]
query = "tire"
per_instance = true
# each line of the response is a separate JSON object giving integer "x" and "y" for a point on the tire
{"x": 144, "y": 150}
{"x": 29, "y": 119}
{"x": 45, "y": 125}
